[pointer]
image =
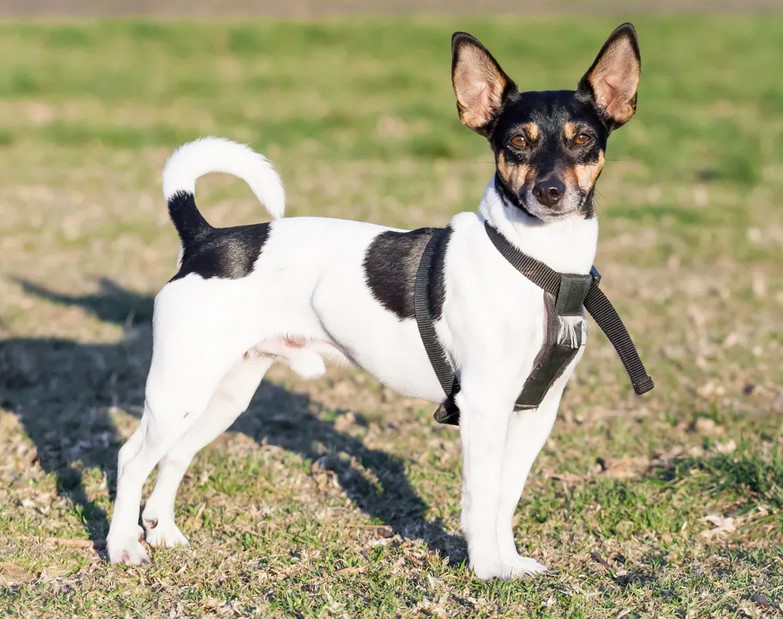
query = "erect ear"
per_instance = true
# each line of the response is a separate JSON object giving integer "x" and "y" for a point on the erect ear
{"x": 613, "y": 79}
{"x": 479, "y": 83}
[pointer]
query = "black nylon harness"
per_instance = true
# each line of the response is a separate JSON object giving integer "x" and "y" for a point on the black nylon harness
{"x": 565, "y": 295}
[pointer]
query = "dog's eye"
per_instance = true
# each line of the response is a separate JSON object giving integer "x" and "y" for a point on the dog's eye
{"x": 519, "y": 141}
{"x": 582, "y": 139}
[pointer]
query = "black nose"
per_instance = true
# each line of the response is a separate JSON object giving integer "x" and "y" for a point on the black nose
{"x": 549, "y": 192}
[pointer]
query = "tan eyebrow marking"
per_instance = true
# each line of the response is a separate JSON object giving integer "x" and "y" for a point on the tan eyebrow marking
{"x": 532, "y": 131}
{"x": 570, "y": 130}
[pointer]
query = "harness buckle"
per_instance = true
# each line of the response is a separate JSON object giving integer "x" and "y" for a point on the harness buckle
{"x": 571, "y": 294}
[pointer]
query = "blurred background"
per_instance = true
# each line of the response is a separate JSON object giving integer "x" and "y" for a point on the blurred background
{"x": 334, "y": 497}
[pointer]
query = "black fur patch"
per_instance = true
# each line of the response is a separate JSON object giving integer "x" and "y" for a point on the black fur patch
{"x": 438, "y": 277}
{"x": 390, "y": 270}
{"x": 229, "y": 253}
{"x": 190, "y": 224}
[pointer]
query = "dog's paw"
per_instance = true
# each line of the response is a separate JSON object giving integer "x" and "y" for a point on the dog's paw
{"x": 127, "y": 548}
{"x": 519, "y": 567}
{"x": 165, "y": 534}
{"x": 486, "y": 567}
{"x": 525, "y": 566}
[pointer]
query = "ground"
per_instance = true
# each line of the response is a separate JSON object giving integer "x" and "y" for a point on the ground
{"x": 337, "y": 498}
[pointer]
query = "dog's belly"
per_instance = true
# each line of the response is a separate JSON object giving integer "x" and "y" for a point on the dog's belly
{"x": 394, "y": 366}
{"x": 393, "y": 357}
{"x": 372, "y": 337}
{"x": 306, "y": 358}
{"x": 394, "y": 354}
{"x": 313, "y": 302}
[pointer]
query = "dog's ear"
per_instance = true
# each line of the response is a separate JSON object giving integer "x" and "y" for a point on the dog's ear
{"x": 613, "y": 79}
{"x": 479, "y": 83}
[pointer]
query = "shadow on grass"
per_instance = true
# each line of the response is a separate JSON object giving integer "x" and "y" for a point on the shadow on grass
{"x": 62, "y": 391}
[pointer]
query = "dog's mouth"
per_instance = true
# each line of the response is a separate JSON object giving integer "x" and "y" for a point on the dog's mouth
{"x": 574, "y": 201}
{"x": 571, "y": 205}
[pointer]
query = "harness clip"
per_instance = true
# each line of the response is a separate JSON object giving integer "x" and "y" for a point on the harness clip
{"x": 571, "y": 294}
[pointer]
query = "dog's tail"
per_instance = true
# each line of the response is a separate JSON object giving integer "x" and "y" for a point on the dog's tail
{"x": 206, "y": 155}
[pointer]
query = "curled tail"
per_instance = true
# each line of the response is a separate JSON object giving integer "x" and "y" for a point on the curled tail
{"x": 206, "y": 155}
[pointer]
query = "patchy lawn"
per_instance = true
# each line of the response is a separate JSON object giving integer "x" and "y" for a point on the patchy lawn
{"x": 337, "y": 498}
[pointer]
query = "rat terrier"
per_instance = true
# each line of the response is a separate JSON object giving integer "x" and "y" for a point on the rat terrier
{"x": 304, "y": 289}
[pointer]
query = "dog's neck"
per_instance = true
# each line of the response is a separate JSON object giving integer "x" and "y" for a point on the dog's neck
{"x": 566, "y": 245}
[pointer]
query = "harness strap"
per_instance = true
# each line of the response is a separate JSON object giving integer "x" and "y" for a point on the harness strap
{"x": 421, "y": 307}
{"x": 609, "y": 321}
{"x": 569, "y": 292}
{"x": 596, "y": 303}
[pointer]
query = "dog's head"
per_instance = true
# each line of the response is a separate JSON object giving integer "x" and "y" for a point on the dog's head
{"x": 549, "y": 145}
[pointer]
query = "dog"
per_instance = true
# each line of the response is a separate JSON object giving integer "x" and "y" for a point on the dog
{"x": 304, "y": 289}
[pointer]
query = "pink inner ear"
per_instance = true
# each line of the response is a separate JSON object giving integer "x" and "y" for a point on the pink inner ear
{"x": 613, "y": 86}
{"x": 610, "y": 92}
{"x": 479, "y": 111}
{"x": 479, "y": 87}
{"x": 618, "y": 92}
{"x": 615, "y": 80}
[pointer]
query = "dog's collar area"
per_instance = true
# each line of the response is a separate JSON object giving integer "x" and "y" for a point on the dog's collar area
{"x": 567, "y": 295}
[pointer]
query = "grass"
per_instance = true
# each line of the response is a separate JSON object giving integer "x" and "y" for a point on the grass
{"x": 337, "y": 497}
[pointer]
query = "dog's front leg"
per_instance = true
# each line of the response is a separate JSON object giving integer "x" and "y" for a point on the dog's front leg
{"x": 483, "y": 425}
{"x": 527, "y": 433}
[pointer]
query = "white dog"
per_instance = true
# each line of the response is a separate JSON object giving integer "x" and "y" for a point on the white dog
{"x": 302, "y": 289}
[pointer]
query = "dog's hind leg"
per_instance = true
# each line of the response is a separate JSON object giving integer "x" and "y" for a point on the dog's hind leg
{"x": 230, "y": 400}
{"x": 183, "y": 377}
{"x": 137, "y": 458}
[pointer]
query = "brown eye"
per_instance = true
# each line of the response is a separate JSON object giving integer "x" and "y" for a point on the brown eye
{"x": 519, "y": 141}
{"x": 582, "y": 139}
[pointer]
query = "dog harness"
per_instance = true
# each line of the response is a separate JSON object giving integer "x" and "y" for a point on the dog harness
{"x": 565, "y": 296}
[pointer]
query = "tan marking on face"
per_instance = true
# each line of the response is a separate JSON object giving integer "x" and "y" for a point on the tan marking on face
{"x": 570, "y": 131}
{"x": 513, "y": 175}
{"x": 530, "y": 177}
{"x": 587, "y": 174}
{"x": 570, "y": 178}
{"x": 532, "y": 131}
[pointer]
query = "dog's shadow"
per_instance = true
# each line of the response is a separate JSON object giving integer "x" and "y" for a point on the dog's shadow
{"x": 63, "y": 392}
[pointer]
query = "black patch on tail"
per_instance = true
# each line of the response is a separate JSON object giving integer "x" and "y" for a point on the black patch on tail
{"x": 190, "y": 224}
{"x": 390, "y": 267}
{"x": 229, "y": 253}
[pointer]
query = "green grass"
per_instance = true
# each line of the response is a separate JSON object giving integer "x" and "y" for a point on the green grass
{"x": 336, "y": 497}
